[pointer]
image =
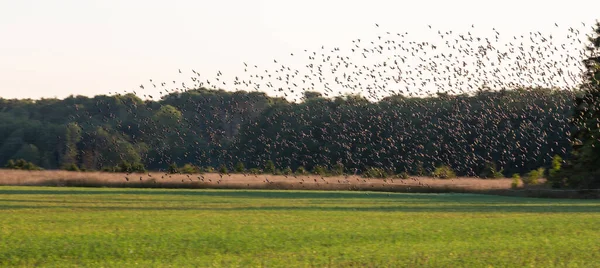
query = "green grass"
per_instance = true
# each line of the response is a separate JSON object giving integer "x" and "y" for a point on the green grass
{"x": 45, "y": 226}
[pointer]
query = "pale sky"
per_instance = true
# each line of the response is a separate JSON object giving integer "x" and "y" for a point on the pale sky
{"x": 55, "y": 48}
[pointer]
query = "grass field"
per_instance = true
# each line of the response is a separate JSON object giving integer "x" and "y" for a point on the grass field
{"x": 107, "y": 227}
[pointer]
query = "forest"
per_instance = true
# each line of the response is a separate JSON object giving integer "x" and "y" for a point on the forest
{"x": 515, "y": 131}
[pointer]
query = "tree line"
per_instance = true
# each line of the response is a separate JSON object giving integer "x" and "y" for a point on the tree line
{"x": 515, "y": 131}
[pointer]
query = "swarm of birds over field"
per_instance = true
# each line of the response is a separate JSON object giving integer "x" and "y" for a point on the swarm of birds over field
{"x": 456, "y": 99}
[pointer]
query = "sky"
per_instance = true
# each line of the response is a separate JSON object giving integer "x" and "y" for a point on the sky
{"x": 57, "y": 48}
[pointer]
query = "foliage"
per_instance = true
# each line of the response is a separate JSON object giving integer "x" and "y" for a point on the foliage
{"x": 420, "y": 170}
{"x": 555, "y": 175}
{"x": 373, "y": 172}
{"x": 533, "y": 177}
{"x": 190, "y": 127}
{"x": 71, "y": 167}
{"x": 516, "y": 180}
{"x": 583, "y": 169}
{"x": 21, "y": 164}
{"x": 320, "y": 170}
{"x": 443, "y": 172}
{"x": 269, "y": 167}
{"x": 188, "y": 168}
{"x": 287, "y": 171}
{"x": 301, "y": 171}
{"x": 254, "y": 171}
{"x": 172, "y": 169}
{"x": 209, "y": 169}
{"x": 338, "y": 169}
{"x": 239, "y": 167}
{"x": 223, "y": 169}
{"x": 490, "y": 171}
{"x": 403, "y": 175}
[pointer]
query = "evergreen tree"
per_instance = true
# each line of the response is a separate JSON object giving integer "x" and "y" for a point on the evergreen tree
{"x": 583, "y": 170}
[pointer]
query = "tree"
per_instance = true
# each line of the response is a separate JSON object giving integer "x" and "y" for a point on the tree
{"x": 239, "y": 167}
{"x": 583, "y": 169}
{"x": 269, "y": 167}
{"x": 309, "y": 95}
{"x": 29, "y": 153}
{"x": 72, "y": 136}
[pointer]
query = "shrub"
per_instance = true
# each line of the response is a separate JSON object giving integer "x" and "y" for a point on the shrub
{"x": 22, "y": 165}
{"x": 124, "y": 166}
{"x": 269, "y": 167}
{"x": 403, "y": 175}
{"x": 554, "y": 174}
{"x": 209, "y": 169}
{"x": 71, "y": 167}
{"x": 420, "y": 170}
{"x": 189, "y": 169}
{"x": 239, "y": 167}
{"x": 254, "y": 171}
{"x": 301, "y": 170}
{"x": 490, "y": 171}
{"x": 379, "y": 173}
{"x": 516, "y": 178}
{"x": 443, "y": 172}
{"x": 287, "y": 171}
{"x": 138, "y": 168}
{"x": 173, "y": 168}
{"x": 11, "y": 164}
{"x": 320, "y": 170}
{"x": 338, "y": 169}
{"x": 532, "y": 178}
{"x": 107, "y": 169}
{"x": 223, "y": 169}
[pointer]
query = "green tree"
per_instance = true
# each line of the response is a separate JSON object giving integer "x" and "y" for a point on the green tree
{"x": 239, "y": 167}
{"x": 555, "y": 175}
{"x": 269, "y": 167}
{"x": 173, "y": 168}
{"x": 583, "y": 169}
{"x": 29, "y": 153}
{"x": 72, "y": 136}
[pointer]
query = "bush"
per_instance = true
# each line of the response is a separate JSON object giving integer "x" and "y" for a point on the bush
{"x": 189, "y": 169}
{"x": 11, "y": 164}
{"x": 420, "y": 170}
{"x": 138, "y": 168}
{"x": 301, "y": 170}
{"x": 71, "y": 167}
{"x": 209, "y": 169}
{"x": 338, "y": 169}
{"x": 223, "y": 169}
{"x": 320, "y": 170}
{"x": 555, "y": 177}
{"x": 22, "y": 165}
{"x": 254, "y": 171}
{"x": 108, "y": 169}
{"x": 533, "y": 177}
{"x": 124, "y": 166}
{"x": 173, "y": 168}
{"x": 379, "y": 173}
{"x": 443, "y": 172}
{"x": 287, "y": 171}
{"x": 239, "y": 167}
{"x": 516, "y": 178}
{"x": 269, "y": 167}
{"x": 403, "y": 175}
{"x": 490, "y": 171}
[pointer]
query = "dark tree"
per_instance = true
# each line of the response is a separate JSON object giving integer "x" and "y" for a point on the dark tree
{"x": 583, "y": 169}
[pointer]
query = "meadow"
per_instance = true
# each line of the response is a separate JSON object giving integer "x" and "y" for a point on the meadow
{"x": 123, "y": 227}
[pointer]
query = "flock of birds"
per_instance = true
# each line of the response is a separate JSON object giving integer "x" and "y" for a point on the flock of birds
{"x": 393, "y": 63}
